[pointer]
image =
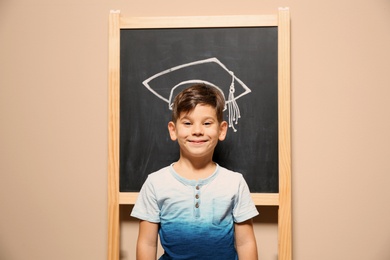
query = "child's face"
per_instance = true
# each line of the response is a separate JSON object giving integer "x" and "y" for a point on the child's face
{"x": 198, "y": 131}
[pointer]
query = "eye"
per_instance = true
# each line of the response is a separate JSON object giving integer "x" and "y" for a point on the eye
{"x": 187, "y": 123}
{"x": 207, "y": 123}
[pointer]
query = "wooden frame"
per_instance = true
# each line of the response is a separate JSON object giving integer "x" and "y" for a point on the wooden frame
{"x": 282, "y": 199}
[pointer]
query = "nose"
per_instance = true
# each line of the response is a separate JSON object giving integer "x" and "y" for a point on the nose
{"x": 197, "y": 129}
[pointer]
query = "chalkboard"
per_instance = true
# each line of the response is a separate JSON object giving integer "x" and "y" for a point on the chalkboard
{"x": 250, "y": 52}
{"x": 254, "y": 51}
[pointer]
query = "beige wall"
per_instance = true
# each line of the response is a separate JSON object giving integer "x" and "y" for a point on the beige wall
{"x": 53, "y": 127}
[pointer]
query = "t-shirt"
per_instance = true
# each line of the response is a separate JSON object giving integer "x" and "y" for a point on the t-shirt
{"x": 196, "y": 216}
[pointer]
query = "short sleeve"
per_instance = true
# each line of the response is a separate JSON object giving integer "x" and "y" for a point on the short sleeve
{"x": 146, "y": 207}
{"x": 244, "y": 207}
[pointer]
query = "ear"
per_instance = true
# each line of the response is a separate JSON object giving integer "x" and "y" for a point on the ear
{"x": 223, "y": 127}
{"x": 172, "y": 130}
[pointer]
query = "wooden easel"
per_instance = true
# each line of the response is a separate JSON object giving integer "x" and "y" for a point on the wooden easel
{"x": 282, "y": 199}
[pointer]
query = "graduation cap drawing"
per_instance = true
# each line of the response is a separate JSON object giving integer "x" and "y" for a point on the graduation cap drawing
{"x": 168, "y": 83}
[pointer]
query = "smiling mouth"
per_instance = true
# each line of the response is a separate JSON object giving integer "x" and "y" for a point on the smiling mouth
{"x": 197, "y": 141}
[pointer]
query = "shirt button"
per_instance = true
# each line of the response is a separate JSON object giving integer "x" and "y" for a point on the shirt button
{"x": 197, "y": 196}
{"x": 197, "y": 187}
{"x": 197, "y": 205}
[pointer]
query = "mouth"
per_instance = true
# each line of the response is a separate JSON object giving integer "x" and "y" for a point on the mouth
{"x": 197, "y": 141}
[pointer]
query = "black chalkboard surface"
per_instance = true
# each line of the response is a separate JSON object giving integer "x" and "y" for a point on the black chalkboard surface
{"x": 251, "y": 53}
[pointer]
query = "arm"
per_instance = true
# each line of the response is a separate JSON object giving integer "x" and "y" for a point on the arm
{"x": 147, "y": 240}
{"x": 245, "y": 240}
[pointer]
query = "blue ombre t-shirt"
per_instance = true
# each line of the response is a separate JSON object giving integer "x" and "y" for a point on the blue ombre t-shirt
{"x": 196, "y": 216}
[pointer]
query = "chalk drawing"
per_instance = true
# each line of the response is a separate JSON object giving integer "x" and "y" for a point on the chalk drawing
{"x": 230, "y": 102}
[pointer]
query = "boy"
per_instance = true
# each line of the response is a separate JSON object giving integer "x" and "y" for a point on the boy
{"x": 199, "y": 209}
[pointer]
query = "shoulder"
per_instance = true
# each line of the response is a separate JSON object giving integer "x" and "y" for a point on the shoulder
{"x": 155, "y": 179}
{"x": 160, "y": 174}
{"x": 230, "y": 179}
{"x": 224, "y": 172}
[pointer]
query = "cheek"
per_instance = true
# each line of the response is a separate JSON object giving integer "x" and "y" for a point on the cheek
{"x": 215, "y": 133}
{"x": 181, "y": 133}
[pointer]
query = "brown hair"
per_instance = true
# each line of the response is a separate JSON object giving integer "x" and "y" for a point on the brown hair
{"x": 196, "y": 94}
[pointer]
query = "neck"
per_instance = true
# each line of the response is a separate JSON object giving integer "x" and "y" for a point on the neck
{"x": 194, "y": 169}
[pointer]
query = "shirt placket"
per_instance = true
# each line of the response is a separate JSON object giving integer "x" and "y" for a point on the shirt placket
{"x": 197, "y": 200}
